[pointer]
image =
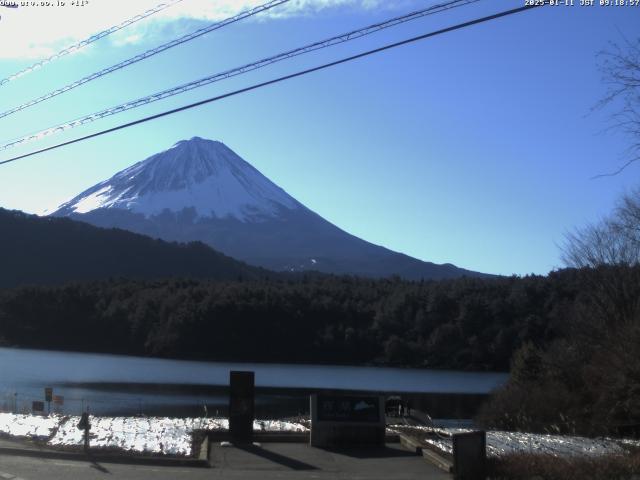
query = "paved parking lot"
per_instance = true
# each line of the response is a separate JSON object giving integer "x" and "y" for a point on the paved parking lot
{"x": 264, "y": 462}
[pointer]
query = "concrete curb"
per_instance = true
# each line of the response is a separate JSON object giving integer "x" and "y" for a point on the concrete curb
{"x": 282, "y": 437}
{"x": 438, "y": 460}
{"x": 435, "y": 458}
{"x": 262, "y": 437}
{"x": 411, "y": 444}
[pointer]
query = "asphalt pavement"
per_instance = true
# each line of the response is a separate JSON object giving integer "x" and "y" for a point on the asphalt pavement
{"x": 262, "y": 461}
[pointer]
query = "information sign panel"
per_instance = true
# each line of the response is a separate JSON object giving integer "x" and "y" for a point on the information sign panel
{"x": 341, "y": 408}
{"x": 347, "y": 420}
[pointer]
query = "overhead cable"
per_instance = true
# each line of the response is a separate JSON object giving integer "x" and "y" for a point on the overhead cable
{"x": 93, "y": 38}
{"x": 277, "y": 80}
{"x": 143, "y": 56}
{"x": 236, "y": 71}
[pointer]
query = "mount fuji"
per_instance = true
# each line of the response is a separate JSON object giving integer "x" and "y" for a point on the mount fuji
{"x": 200, "y": 190}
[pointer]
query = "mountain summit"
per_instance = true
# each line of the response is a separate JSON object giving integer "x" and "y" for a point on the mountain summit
{"x": 203, "y": 175}
{"x": 200, "y": 190}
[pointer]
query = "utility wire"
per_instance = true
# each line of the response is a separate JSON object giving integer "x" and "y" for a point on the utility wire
{"x": 237, "y": 71}
{"x": 279, "y": 79}
{"x": 149, "y": 53}
{"x": 93, "y": 38}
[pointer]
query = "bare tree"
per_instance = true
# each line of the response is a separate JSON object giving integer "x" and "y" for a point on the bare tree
{"x": 620, "y": 68}
{"x": 612, "y": 245}
{"x": 615, "y": 240}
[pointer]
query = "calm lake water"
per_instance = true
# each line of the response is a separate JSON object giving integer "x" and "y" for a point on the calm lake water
{"x": 115, "y": 384}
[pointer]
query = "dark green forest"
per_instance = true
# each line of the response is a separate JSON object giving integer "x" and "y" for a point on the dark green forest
{"x": 569, "y": 339}
{"x": 470, "y": 324}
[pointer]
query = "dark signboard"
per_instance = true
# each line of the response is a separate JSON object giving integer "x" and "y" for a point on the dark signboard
{"x": 241, "y": 404}
{"x": 342, "y": 408}
{"x": 37, "y": 406}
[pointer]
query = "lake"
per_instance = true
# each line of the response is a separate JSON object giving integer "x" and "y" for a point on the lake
{"x": 117, "y": 384}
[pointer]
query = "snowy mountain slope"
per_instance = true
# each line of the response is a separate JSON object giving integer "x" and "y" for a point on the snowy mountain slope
{"x": 200, "y": 174}
{"x": 201, "y": 190}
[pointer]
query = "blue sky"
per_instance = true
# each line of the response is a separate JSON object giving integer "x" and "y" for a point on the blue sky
{"x": 475, "y": 147}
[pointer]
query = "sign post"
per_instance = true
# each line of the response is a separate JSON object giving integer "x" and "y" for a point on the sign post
{"x": 241, "y": 405}
{"x": 48, "y": 395}
{"x": 85, "y": 425}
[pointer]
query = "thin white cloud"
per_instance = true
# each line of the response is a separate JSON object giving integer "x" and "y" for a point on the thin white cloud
{"x": 39, "y": 32}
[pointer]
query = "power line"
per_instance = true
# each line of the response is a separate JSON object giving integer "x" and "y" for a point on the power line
{"x": 279, "y": 79}
{"x": 93, "y": 38}
{"x": 237, "y": 71}
{"x": 149, "y": 53}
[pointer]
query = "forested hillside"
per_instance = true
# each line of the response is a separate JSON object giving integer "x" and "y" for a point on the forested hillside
{"x": 49, "y": 250}
{"x": 473, "y": 324}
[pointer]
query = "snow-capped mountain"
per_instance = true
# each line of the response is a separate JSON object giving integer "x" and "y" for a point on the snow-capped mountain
{"x": 202, "y": 175}
{"x": 201, "y": 190}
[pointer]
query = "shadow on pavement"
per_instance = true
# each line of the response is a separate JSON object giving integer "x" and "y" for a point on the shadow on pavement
{"x": 373, "y": 452}
{"x": 97, "y": 466}
{"x": 274, "y": 457}
{"x": 104, "y": 458}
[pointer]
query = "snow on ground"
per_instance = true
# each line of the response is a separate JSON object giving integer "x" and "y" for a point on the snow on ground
{"x": 172, "y": 436}
{"x": 32, "y": 426}
{"x": 502, "y": 443}
{"x": 278, "y": 426}
{"x": 159, "y": 435}
{"x": 167, "y": 436}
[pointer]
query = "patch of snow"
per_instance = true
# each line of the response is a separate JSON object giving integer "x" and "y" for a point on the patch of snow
{"x": 278, "y": 426}
{"x": 159, "y": 435}
{"x": 166, "y": 436}
{"x": 501, "y": 443}
{"x": 95, "y": 200}
{"x": 31, "y": 426}
{"x": 221, "y": 196}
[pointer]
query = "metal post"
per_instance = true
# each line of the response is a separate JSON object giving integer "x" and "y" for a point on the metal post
{"x": 241, "y": 405}
{"x": 86, "y": 439}
{"x": 85, "y": 425}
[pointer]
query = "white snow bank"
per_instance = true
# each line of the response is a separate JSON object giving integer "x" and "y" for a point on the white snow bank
{"x": 32, "y": 426}
{"x": 501, "y": 443}
{"x": 278, "y": 426}
{"x": 159, "y": 435}
{"x": 167, "y": 436}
